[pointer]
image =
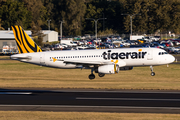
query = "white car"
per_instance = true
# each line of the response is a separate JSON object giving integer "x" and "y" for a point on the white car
{"x": 177, "y": 43}
{"x": 58, "y": 47}
{"x": 125, "y": 43}
{"x": 82, "y": 47}
{"x": 117, "y": 41}
{"x": 64, "y": 45}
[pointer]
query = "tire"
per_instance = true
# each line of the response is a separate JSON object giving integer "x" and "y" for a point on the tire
{"x": 91, "y": 76}
{"x": 101, "y": 74}
{"x": 153, "y": 74}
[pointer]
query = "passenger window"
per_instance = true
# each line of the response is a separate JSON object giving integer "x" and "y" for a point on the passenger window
{"x": 159, "y": 53}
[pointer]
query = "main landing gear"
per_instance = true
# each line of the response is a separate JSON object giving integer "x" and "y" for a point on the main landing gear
{"x": 92, "y": 76}
{"x": 101, "y": 74}
{"x": 152, "y": 73}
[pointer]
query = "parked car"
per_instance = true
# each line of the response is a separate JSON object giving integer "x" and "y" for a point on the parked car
{"x": 172, "y": 50}
{"x": 157, "y": 38}
{"x": 89, "y": 42}
{"x": 58, "y": 47}
{"x": 125, "y": 43}
{"x": 64, "y": 45}
{"x": 92, "y": 46}
{"x": 82, "y": 47}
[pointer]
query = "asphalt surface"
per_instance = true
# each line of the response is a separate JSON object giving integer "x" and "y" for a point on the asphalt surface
{"x": 90, "y": 100}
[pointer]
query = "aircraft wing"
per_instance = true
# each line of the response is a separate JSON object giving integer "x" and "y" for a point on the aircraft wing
{"x": 87, "y": 62}
{"x": 121, "y": 63}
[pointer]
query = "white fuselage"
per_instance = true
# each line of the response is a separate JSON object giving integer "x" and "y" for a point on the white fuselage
{"x": 78, "y": 58}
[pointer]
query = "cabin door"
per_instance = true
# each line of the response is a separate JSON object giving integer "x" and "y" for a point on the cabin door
{"x": 150, "y": 55}
{"x": 42, "y": 59}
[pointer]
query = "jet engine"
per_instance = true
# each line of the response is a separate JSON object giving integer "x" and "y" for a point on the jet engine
{"x": 107, "y": 69}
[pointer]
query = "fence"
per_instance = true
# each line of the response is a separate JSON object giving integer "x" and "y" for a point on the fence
{"x": 127, "y": 36}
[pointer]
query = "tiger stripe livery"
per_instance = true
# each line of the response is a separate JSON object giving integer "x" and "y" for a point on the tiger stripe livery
{"x": 24, "y": 43}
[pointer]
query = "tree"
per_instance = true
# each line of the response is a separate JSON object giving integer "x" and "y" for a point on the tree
{"x": 38, "y": 11}
{"x": 13, "y": 12}
{"x": 72, "y": 14}
{"x": 104, "y": 9}
{"x": 37, "y": 34}
{"x": 1, "y": 28}
{"x": 174, "y": 14}
{"x": 133, "y": 8}
{"x": 49, "y": 6}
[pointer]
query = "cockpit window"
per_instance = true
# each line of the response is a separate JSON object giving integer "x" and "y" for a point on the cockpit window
{"x": 162, "y": 53}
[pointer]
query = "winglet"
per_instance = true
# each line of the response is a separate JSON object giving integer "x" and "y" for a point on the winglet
{"x": 24, "y": 43}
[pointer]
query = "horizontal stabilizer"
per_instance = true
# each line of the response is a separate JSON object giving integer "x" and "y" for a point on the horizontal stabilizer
{"x": 20, "y": 57}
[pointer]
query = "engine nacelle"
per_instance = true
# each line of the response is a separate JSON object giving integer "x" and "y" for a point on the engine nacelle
{"x": 125, "y": 68}
{"x": 107, "y": 69}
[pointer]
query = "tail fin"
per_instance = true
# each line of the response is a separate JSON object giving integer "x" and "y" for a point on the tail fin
{"x": 24, "y": 43}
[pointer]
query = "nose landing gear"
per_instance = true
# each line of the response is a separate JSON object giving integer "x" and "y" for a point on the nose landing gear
{"x": 152, "y": 73}
{"x": 91, "y": 76}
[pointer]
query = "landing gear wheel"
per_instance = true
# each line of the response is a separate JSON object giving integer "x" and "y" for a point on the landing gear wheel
{"x": 91, "y": 76}
{"x": 101, "y": 74}
{"x": 153, "y": 74}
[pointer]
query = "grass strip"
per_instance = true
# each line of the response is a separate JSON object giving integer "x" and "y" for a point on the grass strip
{"x": 37, "y": 115}
{"x": 16, "y": 74}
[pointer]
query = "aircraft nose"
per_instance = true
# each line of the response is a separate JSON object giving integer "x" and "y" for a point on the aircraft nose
{"x": 171, "y": 58}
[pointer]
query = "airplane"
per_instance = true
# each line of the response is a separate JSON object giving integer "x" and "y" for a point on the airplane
{"x": 101, "y": 61}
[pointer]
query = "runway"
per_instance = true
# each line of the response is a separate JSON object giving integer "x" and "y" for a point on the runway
{"x": 82, "y": 100}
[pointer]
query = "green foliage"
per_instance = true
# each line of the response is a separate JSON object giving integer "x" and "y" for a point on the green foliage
{"x": 1, "y": 28}
{"x": 37, "y": 34}
{"x": 13, "y": 12}
{"x": 107, "y": 32}
{"x": 153, "y": 15}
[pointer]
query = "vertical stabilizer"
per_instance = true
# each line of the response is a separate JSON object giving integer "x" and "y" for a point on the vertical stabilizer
{"x": 24, "y": 43}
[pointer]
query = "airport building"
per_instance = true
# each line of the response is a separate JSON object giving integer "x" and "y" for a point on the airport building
{"x": 8, "y": 43}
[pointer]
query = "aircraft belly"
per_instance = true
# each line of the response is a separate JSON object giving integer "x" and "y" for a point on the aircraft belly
{"x": 134, "y": 62}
